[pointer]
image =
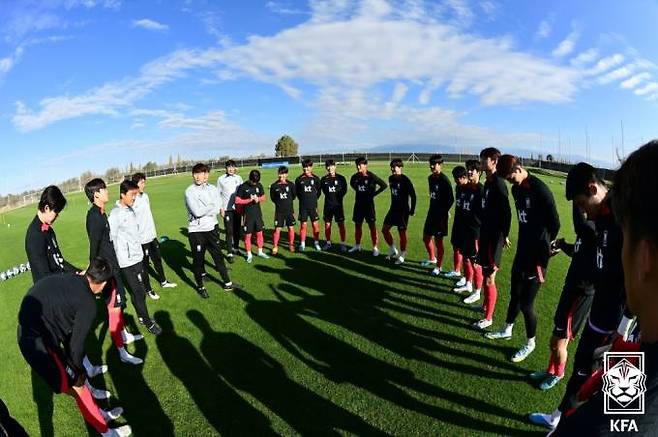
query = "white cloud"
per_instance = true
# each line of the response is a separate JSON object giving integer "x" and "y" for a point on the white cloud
{"x": 462, "y": 11}
{"x": 635, "y": 80}
{"x": 283, "y": 8}
{"x": 585, "y": 58}
{"x": 490, "y": 8}
{"x": 617, "y": 74}
{"x": 544, "y": 29}
{"x": 148, "y": 24}
{"x": 646, "y": 89}
{"x": 567, "y": 45}
{"x": 604, "y": 64}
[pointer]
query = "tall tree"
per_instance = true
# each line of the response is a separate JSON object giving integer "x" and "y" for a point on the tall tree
{"x": 286, "y": 146}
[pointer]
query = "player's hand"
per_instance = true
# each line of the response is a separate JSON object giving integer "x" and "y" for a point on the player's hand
{"x": 256, "y": 199}
{"x": 82, "y": 272}
{"x": 508, "y": 243}
{"x": 555, "y": 248}
{"x": 222, "y": 212}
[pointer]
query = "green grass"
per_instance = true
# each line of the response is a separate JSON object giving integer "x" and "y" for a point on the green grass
{"x": 312, "y": 343}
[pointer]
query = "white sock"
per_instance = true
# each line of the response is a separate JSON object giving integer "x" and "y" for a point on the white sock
{"x": 468, "y": 284}
{"x": 260, "y": 250}
{"x": 556, "y": 415}
{"x": 392, "y": 248}
{"x": 508, "y": 328}
{"x": 531, "y": 342}
{"x": 403, "y": 254}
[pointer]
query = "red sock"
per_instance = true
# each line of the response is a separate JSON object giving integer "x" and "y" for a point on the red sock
{"x": 291, "y": 236}
{"x": 276, "y": 237}
{"x": 457, "y": 259}
{"x": 490, "y": 296}
{"x": 429, "y": 246}
{"x": 358, "y": 234}
{"x": 440, "y": 250}
{"x": 90, "y": 411}
{"x": 115, "y": 321}
{"x": 247, "y": 243}
{"x": 468, "y": 270}
{"x": 478, "y": 277}
{"x": 373, "y": 235}
{"x": 559, "y": 369}
{"x": 316, "y": 231}
{"x": 260, "y": 241}
{"x": 327, "y": 231}
{"x": 403, "y": 240}
{"x": 302, "y": 233}
{"x": 551, "y": 364}
{"x": 388, "y": 237}
{"x": 342, "y": 231}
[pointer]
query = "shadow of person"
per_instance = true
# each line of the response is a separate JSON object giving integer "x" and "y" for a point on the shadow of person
{"x": 224, "y": 409}
{"x": 42, "y": 395}
{"x": 175, "y": 255}
{"x": 247, "y": 367}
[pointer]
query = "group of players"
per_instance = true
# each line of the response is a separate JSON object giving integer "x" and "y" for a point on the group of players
{"x": 58, "y": 312}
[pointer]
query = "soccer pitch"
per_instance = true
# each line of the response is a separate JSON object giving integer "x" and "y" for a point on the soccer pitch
{"x": 310, "y": 343}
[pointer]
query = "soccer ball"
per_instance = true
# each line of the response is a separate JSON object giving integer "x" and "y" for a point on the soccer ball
{"x": 27, "y": 266}
{"x": 16, "y": 271}
{"x": 22, "y": 268}
{"x": 9, "y": 273}
{"x": 3, "y": 276}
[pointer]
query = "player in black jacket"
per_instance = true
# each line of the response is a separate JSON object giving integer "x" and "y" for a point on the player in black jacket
{"x": 366, "y": 186}
{"x": 307, "y": 187}
{"x": 249, "y": 196}
{"x": 635, "y": 185}
{"x": 539, "y": 224}
{"x": 436, "y": 223}
{"x": 282, "y": 193}
{"x": 496, "y": 222}
{"x": 334, "y": 188}
{"x": 403, "y": 205}
{"x": 55, "y": 319}
{"x": 100, "y": 245}
{"x": 461, "y": 180}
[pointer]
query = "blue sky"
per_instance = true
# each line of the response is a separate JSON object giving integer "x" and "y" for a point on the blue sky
{"x": 90, "y": 84}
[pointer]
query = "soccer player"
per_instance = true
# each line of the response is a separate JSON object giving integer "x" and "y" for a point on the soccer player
{"x": 227, "y": 185}
{"x": 403, "y": 205}
{"x": 471, "y": 221}
{"x": 436, "y": 222}
{"x": 202, "y": 203}
{"x": 607, "y": 319}
{"x": 282, "y": 193}
{"x": 367, "y": 186}
{"x": 126, "y": 238}
{"x": 9, "y": 427}
{"x": 149, "y": 240}
{"x": 249, "y": 197}
{"x": 307, "y": 187}
{"x": 539, "y": 224}
{"x": 575, "y": 301}
{"x": 55, "y": 319}
{"x": 100, "y": 245}
{"x": 635, "y": 183}
{"x": 334, "y": 188}
{"x": 496, "y": 222}
{"x": 461, "y": 179}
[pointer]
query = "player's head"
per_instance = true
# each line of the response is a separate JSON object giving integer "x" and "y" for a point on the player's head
{"x": 282, "y": 173}
{"x": 396, "y": 166}
{"x": 586, "y": 188}
{"x": 436, "y": 161}
{"x": 98, "y": 273}
{"x": 254, "y": 177}
{"x": 472, "y": 170}
{"x": 361, "y": 164}
{"x": 307, "y": 166}
{"x": 140, "y": 179}
{"x": 634, "y": 189}
{"x": 459, "y": 175}
{"x": 200, "y": 173}
{"x": 230, "y": 166}
{"x": 330, "y": 165}
{"x": 96, "y": 191}
{"x": 509, "y": 168}
{"x": 127, "y": 192}
{"x": 52, "y": 202}
{"x": 488, "y": 159}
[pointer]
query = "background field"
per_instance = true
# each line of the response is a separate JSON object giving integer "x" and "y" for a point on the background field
{"x": 311, "y": 343}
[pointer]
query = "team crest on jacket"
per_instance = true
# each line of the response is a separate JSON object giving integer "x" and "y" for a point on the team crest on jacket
{"x": 335, "y": 182}
{"x": 312, "y": 182}
{"x": 527, "y": 202}
{"x": 287, "y": 189}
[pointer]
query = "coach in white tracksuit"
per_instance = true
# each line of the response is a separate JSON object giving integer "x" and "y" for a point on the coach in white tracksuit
{"x": 227, "y": 185}
{"x": 126, "y": 239}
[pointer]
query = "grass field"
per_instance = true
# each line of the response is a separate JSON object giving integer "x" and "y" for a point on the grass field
{"x": 311, "y": 343}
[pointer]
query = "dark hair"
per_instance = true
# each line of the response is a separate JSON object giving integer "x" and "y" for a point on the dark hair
{"x": 635, "y": 185}
{"x": 397, "y": 162}
{"x": 200, "y": 168}
{"x": 307, "y": 162}
{"x": 459, "y": 172}
{"x": 472, "y": 164}
{"x": 139, "y": 176}
{"x": 99, "y": 270}
{"x": 506, "y": 165}
{"x": 490, "y": 152}
{"x": 282, "y": 170}
{"x": 329, "y": 162}
{"x": 127, "y": 185}
{"x": 436, "y": 159}
{"x": 53, "y": 198}
{"x": 229, "y": 163}
{"x": 579, "y": 178}
{"x": 254, "y": 176}
{"x": 94, "y": 186}
{"x": 360, "y": 160}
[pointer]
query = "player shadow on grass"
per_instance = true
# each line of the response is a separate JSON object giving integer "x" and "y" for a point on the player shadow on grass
{"x": 42, "y": 396}
{"x": 249, "y": 368}
{"x": 224, "y": 409}
{"x": 341, "y": 362}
